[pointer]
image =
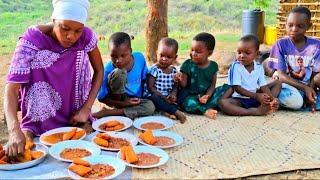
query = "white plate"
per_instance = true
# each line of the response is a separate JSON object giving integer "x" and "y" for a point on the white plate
{"x": 116, "y": 163}
{"x": 58, "y": 130}
{"x": 126, "y": 121}
{"x": 148, "y": 149}
{"x": 177, "y": 138}
{"x": 129, "y": 137}
{"x": 56, "y": 149}
{"x": 39, "y": 147}
{"x": 167, "y": 122}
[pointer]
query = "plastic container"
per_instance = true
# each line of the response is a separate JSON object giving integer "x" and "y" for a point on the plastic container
{"x": 253, "y": 23}
{"x": 270, "y": 35}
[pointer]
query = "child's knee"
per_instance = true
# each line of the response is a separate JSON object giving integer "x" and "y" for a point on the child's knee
{"x": 148, "y": 107}
{"x": 117, "y": 80}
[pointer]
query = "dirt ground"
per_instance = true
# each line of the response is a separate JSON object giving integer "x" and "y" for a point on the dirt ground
{"x": 298, "y": 174}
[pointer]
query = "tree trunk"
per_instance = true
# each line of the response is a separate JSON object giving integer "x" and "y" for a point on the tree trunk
{"x": 156, "y": 27}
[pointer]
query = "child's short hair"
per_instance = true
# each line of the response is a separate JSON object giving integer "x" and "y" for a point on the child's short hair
{"x": 251, "y": 38}
{"x": 207, "y": 38}
{"x": 170, "y": 42}
{"x": 302, "y": 10}
{"x": 120, "y": 38}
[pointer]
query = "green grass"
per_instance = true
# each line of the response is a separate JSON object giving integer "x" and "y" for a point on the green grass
{"x": 186, "y": 18}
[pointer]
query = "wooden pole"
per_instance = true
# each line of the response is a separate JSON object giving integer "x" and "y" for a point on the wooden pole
{"x": 156, "y": 27}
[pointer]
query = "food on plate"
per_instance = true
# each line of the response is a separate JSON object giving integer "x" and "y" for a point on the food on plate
{"x": 26, "y": 156}
{"x": 164, "y": 141}
{"x": 87, "y": 170}
{"x": 73, "y": 134}
{"x": 147, "y": 159}
{"x": 148, "y": 137}
{"x": 69, "y": 135}
{"x": 73, "y": 153}
{"x": 141, "y": 159}
{"x": 152, "y": 125}
{"x": 112, "y": 125}
{"x": 108, "y": 141}
{"x": 128, "y": 154}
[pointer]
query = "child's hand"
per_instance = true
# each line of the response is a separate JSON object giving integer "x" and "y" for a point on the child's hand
{"x": 178, "y": 77}
{"x": 172, "y": 98}
{"x": 133, "y": 101}
{"x": 204, "y": 99}
{"x": 310, "y": 94}
{"x": 263, "y": 98}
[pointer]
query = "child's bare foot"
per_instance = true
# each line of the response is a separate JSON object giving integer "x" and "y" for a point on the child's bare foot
{"x": 182, "y": 118}
{"x": 211, "y": 113}
{"x": 100, "y": 113}
{"x": 171, "y": 116}
{"x": 274, "y": 105}
{"x": 174, "y": 117}
{"x": 264, "y": 109}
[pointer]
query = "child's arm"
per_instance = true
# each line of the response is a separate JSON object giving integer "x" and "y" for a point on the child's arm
{"x": 310, "y": 93}
{"x": 181, "y": 78}
{"x": 261, "y": 97}
{"x": 151, "y": 84}
{"x": 212, "y": 87}
{"x": 204, "y": 98}
{"x": 172, "y": 97}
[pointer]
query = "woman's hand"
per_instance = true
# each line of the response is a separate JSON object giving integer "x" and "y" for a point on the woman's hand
{"x": 81, "y": 116}
{"x": 16, "y": 142}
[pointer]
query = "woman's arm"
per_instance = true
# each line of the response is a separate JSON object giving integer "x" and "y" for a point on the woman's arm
{"x": 97, "y": 65}
{"x": 82, "y": 115}
{"x": 16, "y": 141}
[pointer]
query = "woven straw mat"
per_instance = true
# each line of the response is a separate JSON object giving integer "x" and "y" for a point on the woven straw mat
{"x": 231, "y": 147}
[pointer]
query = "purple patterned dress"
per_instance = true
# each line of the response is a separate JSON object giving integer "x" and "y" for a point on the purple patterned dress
{"x": 55, "y": 81}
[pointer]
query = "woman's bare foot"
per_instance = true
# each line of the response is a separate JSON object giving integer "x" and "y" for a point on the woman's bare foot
{"x": 211, "y": 113}
{"x": 182, "y": 118}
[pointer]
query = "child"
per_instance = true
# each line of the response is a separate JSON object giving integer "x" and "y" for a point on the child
{"x": 198, "y": 76}
{"x": 124, "y": 77}
{"x": 251, "y": 93}
{"x": 161, "y": 88}
{"x": 284, "y": 54}
{"x": 50, "y": 74}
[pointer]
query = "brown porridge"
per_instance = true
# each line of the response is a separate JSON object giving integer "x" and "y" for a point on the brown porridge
{"x": 73, "y": 153}
{"x": 152, "y": 125}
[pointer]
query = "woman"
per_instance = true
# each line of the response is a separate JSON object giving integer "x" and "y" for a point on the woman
{"x": 49, "y": 77}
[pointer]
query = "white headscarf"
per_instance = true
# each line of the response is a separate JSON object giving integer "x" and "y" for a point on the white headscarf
{"x": 75, "y": 10}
